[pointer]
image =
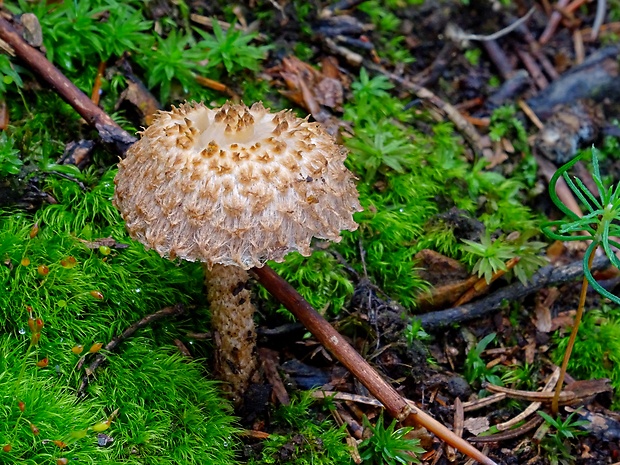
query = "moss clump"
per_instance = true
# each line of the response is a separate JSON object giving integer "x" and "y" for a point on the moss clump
{"x": 168, "y": 412}
{"x": 72, "y": 265}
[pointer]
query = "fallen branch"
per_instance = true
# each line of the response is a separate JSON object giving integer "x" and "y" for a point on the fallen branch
{"x": 547, "y": 276}
{"x": 393, "y": 402}
{"x": 99, "y": 358}
{"x": 109, "y": 131}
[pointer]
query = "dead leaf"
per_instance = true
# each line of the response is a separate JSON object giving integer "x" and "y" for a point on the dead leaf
{"x": 476, "y": 425}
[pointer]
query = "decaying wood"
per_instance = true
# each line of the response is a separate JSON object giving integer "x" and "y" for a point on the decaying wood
{"x": 546, "y": 276}
{"x": 596, "y": 78}
{"x": 269, "y": 362}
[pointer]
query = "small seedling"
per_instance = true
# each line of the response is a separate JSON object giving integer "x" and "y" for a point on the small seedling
{"x": 232, "y": 49}
{"x": 557, "y": 444}
{"x": 476, "y": 368}
{"x": 599, "y": 226}
{"x": 10, "y": 162}
{"x": 389, "y": 445}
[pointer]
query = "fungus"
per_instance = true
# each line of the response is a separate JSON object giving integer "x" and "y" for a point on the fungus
{"x": 234, "y": 187}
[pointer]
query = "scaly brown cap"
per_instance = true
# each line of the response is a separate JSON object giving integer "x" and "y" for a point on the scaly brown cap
{"x": 234, "y": 185}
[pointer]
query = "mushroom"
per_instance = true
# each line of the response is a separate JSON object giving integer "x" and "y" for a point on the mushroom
{"x": 234, "y": 187}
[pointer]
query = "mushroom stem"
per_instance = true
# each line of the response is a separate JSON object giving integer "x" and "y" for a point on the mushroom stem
{"x": 396, "y": 406}
{"x": 232, "y": 317}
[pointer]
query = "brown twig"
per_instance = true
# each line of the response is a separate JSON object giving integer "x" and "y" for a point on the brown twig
{"x": 484, "y": 402}
{"x": 109, "y": 131}
{"x": 553, "y": 22}
{"x": 580, "y": 52}
{"x": 534, "y": 48}
{"x": 481, "y": 286}
{"x": 96, "y": 93}
{"x": 269, "y": 363}
{"x": 533, "y": 117}
{"x": 530, "y": 64}
{"x": 546, "y": 276}
{"x": 544, "y": 396}
{"x": 499, "y": 59}
{"x": 511, "y": 434}
{"x": 533, "y": 407}
{"x": 165, "y": 312}
{"x": 396, "y": 406}
{"x": 218, "y": 86}
{"x": 459, "y": 420}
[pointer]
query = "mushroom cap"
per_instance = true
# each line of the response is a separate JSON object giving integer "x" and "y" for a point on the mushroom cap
{"x": 234, "y": 185}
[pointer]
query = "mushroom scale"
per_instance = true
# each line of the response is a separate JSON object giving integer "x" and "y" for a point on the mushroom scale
{"x": 234, "y": 185}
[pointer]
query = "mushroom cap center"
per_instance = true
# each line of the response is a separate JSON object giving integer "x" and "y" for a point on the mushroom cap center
{"x": 234, "y": 185}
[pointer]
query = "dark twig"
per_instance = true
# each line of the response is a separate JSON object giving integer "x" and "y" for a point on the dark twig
{"x": 109, "y": 131}
{"x": 530, "y": 64}
{"x": 396, "y": 406}
{"x": 553, "y": 22}
{"x": 499, "y": 59}
{"x": 165, "y": 312}
{"x": 534, "y": 47}
{"x": 547, "y": 276}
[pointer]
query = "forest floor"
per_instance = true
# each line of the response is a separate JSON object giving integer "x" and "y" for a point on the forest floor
{"x": 456, "y": 113}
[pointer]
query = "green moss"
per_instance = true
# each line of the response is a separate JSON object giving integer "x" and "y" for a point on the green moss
{"x": 85, "y": 294}
{"x": 597, "y": 349}
{"x": 177, "y": 417}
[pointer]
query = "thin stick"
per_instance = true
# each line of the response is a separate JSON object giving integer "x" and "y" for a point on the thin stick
{"x": 510, "y": 434}
{"x": 165, "y": 312}
{"x": 553, "y": 22}
{"x": 533, "y": 407}
{"x": 396, "y": 406}
{"x": 108, "y": 130}
{"x": 601, "y": 9}
{"x": 95, "y": 95}
{"x": 573, "y": 337}
{"x": 462, "y": 36}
